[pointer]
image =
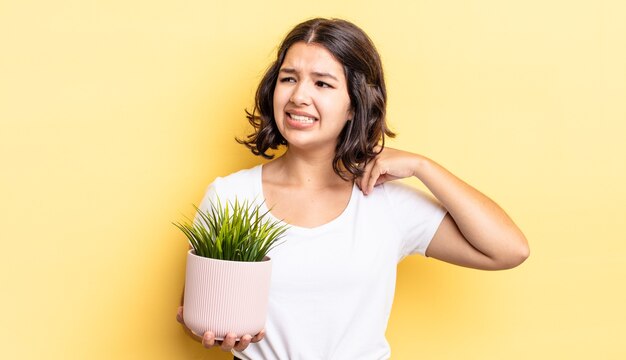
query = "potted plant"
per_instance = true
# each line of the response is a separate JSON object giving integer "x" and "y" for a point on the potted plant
{"x": 228, "y": 272}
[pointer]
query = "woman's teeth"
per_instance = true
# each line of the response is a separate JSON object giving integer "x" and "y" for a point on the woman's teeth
{"x": 302, "y": 119}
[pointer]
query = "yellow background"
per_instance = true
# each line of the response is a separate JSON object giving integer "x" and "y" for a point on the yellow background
{"x": 115, "y": 115}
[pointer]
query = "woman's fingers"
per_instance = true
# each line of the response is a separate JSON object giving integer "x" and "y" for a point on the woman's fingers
{"x": 365, "y": 179}
{"x": 390, "y": 164}
{"x": 229, "y": 342}
{"x": 375, "y": 173}
{"x": 243, "y": 343}
{"x": 258, "y": 337}
{"x": 179, "y": 315}
{"x": 208, "y": 339}
{"x": 372, "y": 175}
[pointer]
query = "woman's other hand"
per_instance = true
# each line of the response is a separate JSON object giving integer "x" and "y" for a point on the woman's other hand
{"x": 390, "y": 164}
{"x": 229, "y": 343}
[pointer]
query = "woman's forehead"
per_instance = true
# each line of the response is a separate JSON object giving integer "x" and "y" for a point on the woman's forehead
{"x": 311, "y": 57}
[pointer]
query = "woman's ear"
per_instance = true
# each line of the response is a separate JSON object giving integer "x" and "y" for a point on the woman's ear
{"x": 350, "y": 114}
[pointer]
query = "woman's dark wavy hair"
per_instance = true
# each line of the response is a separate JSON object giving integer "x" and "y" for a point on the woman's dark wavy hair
{"x": 366, "y": 88}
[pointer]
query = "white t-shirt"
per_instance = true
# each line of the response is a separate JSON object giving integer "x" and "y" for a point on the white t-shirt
{"x": 333, "y": 285}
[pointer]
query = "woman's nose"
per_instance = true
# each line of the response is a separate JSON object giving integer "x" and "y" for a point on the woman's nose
{"x": 300, "y": 95}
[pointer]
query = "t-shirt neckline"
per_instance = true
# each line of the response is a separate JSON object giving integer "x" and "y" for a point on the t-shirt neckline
{"x": 319, "y": 228}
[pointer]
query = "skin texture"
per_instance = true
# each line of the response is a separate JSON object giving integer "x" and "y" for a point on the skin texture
{"x": 302, "y": 188}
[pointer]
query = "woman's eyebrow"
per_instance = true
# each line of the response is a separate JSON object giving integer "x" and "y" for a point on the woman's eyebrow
{"x": 288, "y": 71}
{"x": 324, "y": 74}
{"x": 316, "y": 73}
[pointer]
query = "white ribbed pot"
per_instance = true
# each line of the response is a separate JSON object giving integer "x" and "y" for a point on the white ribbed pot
{"x": 226, "y": 296}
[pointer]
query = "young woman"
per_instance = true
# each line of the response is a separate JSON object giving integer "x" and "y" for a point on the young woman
{"x": 334, "y": 276}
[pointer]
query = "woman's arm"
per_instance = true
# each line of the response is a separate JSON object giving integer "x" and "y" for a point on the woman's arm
{"x": 475, "y": 233}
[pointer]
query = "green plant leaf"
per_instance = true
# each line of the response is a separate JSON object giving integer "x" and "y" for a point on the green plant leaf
{"x": 236, "y": 231}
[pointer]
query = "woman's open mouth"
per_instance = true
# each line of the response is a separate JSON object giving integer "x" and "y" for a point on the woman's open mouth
{"x": 300, "y": 121}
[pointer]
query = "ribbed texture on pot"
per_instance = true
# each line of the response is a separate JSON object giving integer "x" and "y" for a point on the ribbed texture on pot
{"x": 226, "y": 296}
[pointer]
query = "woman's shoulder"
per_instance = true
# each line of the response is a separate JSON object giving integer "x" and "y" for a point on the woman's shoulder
{"x": 239, "y": 178}
{"x": 398, "y": 193}
{"x": 240, "y": 184}
{"x": 393, "y": 189}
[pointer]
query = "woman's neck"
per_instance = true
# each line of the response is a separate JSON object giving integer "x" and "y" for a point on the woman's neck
{"x": 299, "y": 168}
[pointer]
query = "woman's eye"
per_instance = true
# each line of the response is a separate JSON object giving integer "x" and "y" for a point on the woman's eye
{"x": 323, "y": 84}
{"x": 287, "y": 79}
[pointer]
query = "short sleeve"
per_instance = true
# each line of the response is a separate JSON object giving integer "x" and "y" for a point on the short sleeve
{"x": 209, "y": 198}
{"x": 417, "y": 217}
{"x": 241, "y": 186}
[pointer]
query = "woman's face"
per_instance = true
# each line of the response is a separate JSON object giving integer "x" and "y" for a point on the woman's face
{"x": 311, "y": 102}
